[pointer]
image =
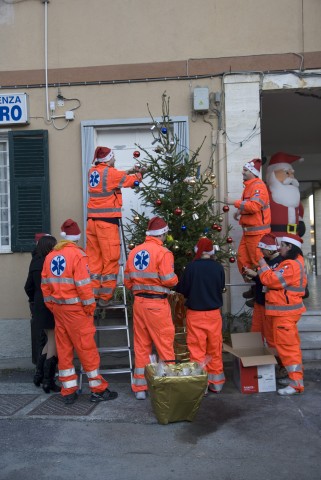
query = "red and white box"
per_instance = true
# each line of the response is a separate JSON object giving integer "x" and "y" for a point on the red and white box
{"x": 253, "y": 364}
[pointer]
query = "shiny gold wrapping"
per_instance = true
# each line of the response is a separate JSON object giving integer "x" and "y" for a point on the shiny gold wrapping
{"x": 175, "y": 399}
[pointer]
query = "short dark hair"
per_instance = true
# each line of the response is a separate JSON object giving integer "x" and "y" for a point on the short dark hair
{"x": 294, "y": 252}
{"x": 45, "y": 245}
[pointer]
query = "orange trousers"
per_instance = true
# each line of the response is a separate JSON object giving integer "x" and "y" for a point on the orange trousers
{"x": 74, "y": 330}
{"x": 152, "y": 325}
{"x": 262, "y": 323}
{"x": 204, "y": 337}
{"x": 287, "y": 343}
{"x": 103, "y": 250}
{"x": 248, "y": 253}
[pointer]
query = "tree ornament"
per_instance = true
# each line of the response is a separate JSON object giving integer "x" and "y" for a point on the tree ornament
{"x": 190, "y": 180}
{"x": 212, "y": 176}
{"x": 136, "y": 154}
{"x": 137, "y": 166}
{"x": 176, "y": 247}
{"x": 206, "y": 230}
{"x": 169, "y": 238}
{"x": 158, "y": 202}
{"x": 164, "y": 130}
{"x": 220, "y": 219}
{"x": 229, "y": 240}
{"x": 225, "y": 208}
{"x": 136, "y": 219}
{"x": 195, "y": 216}
{"x": 158, "y": 150}
{"x": 136, "y": 183}
{"x": 183, "y": 228}
{"x": 215, "y": 226}
{"x": 219, "y": 228}
{"x": 178, "y": 211}
{"x": 131, "y": 246}
{"x": 232, "y": 259}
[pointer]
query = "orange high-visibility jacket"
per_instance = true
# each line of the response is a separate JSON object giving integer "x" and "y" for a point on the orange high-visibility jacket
{"x": 286, "y": 287}
{"x": 104, "y": 189}
{"x": 255, "y": 208}
{"x": 150, "y": 268}
{"x": 65, "y": 276}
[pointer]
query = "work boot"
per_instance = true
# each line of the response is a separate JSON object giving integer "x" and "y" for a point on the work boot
{"x": 211, "y": 388}
{"x": 281, "y": 372}
{"x": 289, "y": 391}
{"x": 103, "y": 396}
{"x": 70, "y": 399}
{"x": 249, "y": 293}
{"x": 48, "y": 383}
{"x": 38, "y": 376}
{"x": 141, "y": 395}
{"x": 284, "y": 382}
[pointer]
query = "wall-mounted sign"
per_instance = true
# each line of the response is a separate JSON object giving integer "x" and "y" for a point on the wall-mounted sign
{"x": 13, "y": 109}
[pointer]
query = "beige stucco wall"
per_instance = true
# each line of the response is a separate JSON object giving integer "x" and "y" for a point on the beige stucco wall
{"x": 107, "y": 32}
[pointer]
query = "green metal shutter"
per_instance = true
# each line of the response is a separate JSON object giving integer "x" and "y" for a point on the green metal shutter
{"x": 29, "y": 187}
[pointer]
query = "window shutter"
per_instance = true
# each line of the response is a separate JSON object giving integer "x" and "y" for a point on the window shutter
{"x": 29, "y": 187}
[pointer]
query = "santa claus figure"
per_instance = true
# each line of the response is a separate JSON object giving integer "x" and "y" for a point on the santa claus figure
{"x": 286, "y": 208}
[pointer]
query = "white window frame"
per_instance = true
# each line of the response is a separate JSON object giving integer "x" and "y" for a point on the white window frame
{"x": 6, "y": 248}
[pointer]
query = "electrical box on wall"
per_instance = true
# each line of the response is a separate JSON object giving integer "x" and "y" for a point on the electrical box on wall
{"x": 201, "y": 99}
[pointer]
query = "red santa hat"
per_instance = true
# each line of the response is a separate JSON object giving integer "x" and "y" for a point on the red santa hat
{"x": 281, "y": 160}
{"x": 292, "y": 238}
{"x": 103, "y": 155}
{"x": 70, "y": 230}
{"x": 204, "y": 245}
{"x": 269, "y": 242}
{"x": 40, "y": 235}
{"x": 254, "y": 166}
{"x": 156, "y": 226}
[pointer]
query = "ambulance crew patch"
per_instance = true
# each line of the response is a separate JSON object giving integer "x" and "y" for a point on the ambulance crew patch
{"x": 141, "y": 260}
{"x": 94, "y": 179}
{"x": 58, "y": 265}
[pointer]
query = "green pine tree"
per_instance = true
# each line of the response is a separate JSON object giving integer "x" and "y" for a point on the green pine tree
{"x": 178, "y": 192}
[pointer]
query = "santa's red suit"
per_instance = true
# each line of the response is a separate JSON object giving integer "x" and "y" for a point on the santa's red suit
{"x": 286, "y": 209}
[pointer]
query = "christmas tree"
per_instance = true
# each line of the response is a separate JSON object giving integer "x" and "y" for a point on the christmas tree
{"x": 176, "y": 190}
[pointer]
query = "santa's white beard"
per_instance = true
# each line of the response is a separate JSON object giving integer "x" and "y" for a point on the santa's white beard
{"x": 285, "y": 193}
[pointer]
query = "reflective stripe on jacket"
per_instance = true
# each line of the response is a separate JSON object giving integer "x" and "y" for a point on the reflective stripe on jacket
{"x": 150, "y": 268}
{"x": 254, "y": 207}
{"x": 286, "y": 287}
{"x": 104, "y": 189}
{"x": 65, "y": 276}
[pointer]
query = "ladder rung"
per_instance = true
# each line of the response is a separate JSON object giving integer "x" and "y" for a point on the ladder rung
{"x": 112, "y": 327}
{"x": 114, "y": 370}
{"x": 113, "y": 349}
{"x": 110, "y": 307}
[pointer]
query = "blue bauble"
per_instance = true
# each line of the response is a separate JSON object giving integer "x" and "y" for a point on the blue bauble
{"x": 136, "y": 183}
{"x": 183, "y": 228}
{"x": 206, "y": 230}
{"x": 164, "y": 130}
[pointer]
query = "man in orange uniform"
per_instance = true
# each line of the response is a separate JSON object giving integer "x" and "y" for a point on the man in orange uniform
{"x": 68, "y": 293}
{"x": 103, "y": 215}
{"x": 202, "y": 284}
{"x": 149, "y": 273}
{"x": 253, "y": 214}
{"x": 283, "y": 308}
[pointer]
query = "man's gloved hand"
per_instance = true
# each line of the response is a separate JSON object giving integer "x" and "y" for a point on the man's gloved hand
{"x": 90, "y": 309}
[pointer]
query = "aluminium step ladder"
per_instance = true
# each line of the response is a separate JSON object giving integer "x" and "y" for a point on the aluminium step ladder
{"x": 112, "y": 327}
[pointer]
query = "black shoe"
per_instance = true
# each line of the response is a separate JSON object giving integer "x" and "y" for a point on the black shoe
{"x": 70, "y": 399}
{"x": 48, "y": 383}
{"x": 38, "y": 376}
{"x": 250, "y": 303}
{"x": 103, "y": 396}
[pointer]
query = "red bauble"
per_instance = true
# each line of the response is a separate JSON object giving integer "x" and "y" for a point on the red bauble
{"x": 229, "y": 240}
{"x": 226, "y": 208}
{"x": 136, "y": 154}
{"x": 178, "y": 211}
{"x": 219, "y": 228}
{"x": 232, "y": 259}
{"x": 214, "y": 226}
{"x": 158, "y": 202}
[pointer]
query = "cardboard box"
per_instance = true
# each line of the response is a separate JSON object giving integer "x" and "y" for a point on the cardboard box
{"x": 253, "y": 365}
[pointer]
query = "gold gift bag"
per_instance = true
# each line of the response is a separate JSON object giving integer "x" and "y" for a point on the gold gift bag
{"x": 176, "y": 398}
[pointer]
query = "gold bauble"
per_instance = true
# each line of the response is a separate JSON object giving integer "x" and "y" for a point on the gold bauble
{"x": 175, "y": 247}
{"x": 131, "y": 246}
{"x": 136, "y": 219}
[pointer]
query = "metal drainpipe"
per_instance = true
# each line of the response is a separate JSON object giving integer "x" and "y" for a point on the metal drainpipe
{"x": 46, "y": 57}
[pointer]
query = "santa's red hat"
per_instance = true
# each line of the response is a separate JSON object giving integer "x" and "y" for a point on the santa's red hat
{"x": 70, "y": 230}
{"x": 102, "y": 155}
{"x": 269, "y": 242}
{"x": 292, "y": 238}
{"x": 204, "y": 245}
{"x": 156, "y": 226}
{"x": 254, "y": 166}
{"x": 281, "y": 160}
{"x": 40, "y": 235}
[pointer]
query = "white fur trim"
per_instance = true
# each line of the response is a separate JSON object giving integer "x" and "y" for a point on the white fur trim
{"x": 252, "y": 168}
{"x": 72, "y": 238}
{"x": 267, "y": 247}
{"x": 215, "y": 248}
{"x": 292, "y": 240}
{"x": 155, "y": 233}
{"x": 105, "y": 159}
